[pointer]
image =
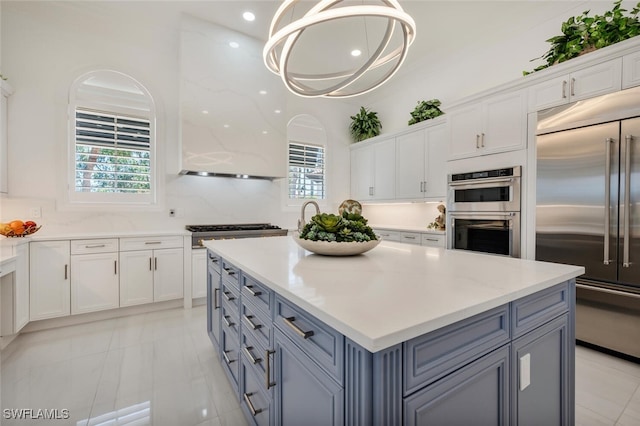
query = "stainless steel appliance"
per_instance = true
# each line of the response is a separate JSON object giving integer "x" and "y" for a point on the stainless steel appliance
{"x": 484, "y": 211}
{"x": 201, "y": 233}
{"x": 588, "y": 213}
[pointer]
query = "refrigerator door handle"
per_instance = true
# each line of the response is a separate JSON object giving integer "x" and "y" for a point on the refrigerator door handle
{"x": 627, "y": 199}
{"x": 607, "y": 200}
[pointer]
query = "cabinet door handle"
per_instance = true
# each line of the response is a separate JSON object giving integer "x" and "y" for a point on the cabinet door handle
{"x": 267, "y": 373}
{"x": 564, "y": 89}
{"x": 150, "y": 264}
{"x": 115, "y": 267}
{"x": 66, "y": 271}
{"x": 253, "y": 410}
{"x": 226, "y": 358}
{"x": 95, "y": 246}
{"x": 253, "y": 292}
{"x": 252, "y": 324}
{"x": 304, "y": 334}
{"x": 247, "y": 351}
{"x": 155, "y": 263}
{"x": 215, "y": 298}
{"x": 229, "y": 324}
{"x": 477, "y": 141}
{"x": 573, "y": 87}
{"x": 226, "y": 295}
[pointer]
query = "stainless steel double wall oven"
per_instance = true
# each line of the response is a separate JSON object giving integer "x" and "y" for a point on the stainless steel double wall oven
{"x": 484, "y": 211}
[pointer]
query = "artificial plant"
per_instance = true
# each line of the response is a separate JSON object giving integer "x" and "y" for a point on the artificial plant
{"x": 364, "y": 125}
{"x": 425, "y": 110}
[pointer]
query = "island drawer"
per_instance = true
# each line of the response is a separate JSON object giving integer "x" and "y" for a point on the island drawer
{"x": 230, "y": 273}
{"x": 532, "y": 311}
{"x": 230, "y": 319}
{"x": 102, "y": 245}
{"x": 254, "y": 400}
{"x": 230, "y": 355}
{"x": 213, "y": 261}
{"x": 254, "y": 353}
{"x": 317, "y": 340}
{"x": 255, "y": 322}
{"x": 256, "y": 293}
{"x": 150, "y": 243}
{"x": 230, "y": 294}
{"x": 432, "y": 356}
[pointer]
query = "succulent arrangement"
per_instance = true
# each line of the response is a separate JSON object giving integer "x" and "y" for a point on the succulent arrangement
{"x": 348, "y": 227}
{"x": 583, "y": 33}
{"x": 364, "y": 125}
{"x": 425, "y": 110}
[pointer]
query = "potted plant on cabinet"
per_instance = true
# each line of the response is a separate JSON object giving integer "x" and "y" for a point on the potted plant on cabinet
{"x": 425, "y": 110}
{"x": 364, "y": 125}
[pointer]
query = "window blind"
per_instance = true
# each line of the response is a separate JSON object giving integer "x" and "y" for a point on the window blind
{"x": 306, "y": 171}
{"x": 112, "y": 153}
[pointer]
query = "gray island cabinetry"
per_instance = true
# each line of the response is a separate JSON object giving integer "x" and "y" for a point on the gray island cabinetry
{"x": 300, "y": 348}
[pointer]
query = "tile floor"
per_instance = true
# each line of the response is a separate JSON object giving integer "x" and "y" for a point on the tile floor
{"x": 159, "y": 368}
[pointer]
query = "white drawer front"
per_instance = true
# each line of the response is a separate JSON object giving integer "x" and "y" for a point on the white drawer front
{"x": 150, "y": 243}
{"x": 388, "y": 235}
{"x": 434, "y": 240}
{"x": 410, "y": 238}
{"x": 98, "y": 245}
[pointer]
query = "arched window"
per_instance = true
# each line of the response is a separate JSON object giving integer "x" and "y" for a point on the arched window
{"x": 112, "y": 155}
{"x": 306, "y": 159}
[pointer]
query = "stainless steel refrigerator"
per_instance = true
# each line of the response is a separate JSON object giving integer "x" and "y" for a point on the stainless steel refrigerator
{"x": 588, "y": 213}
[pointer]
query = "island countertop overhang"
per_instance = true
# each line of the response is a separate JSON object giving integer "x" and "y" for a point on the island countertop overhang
{"x": 394, "y": 292}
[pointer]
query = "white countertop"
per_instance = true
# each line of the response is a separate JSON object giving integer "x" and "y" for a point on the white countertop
{"x": 104, "y": 234}
{"x": 394, "y": 292}
{"x": 424, "y": 230}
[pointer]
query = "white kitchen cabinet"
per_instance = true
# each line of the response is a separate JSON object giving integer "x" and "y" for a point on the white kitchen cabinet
{"x": 631, "y": 70}
{"x": 5, "y": 92}
{"x": 421, "y": 158}
{"x": 198, "y": 273}
{"x": 414, "y": 238}
{"x": 386, "y": 235}
{"x": 151, "y": 275}
{"x": 21, "y": 297}
{"x": 94, "y": 278}
{"x": 585, "y": 83}
{"x": 373, "y": 171}
{"x": 497, "y": 124}
{"x": 50, "y": 279}
{"x": 434, "y": 240}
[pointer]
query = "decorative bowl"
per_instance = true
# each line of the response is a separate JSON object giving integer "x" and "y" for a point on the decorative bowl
{"x": 27, "y": 231}
{"x": 333, "y": 248}
{"x": 351, "y": 206}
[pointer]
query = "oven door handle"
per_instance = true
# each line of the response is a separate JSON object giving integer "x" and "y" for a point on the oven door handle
{"x": 482, "y": 183}
{"x": 481, "y": 215}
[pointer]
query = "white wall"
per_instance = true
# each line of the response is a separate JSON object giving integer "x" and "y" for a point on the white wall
{"x": 45, "y": 45}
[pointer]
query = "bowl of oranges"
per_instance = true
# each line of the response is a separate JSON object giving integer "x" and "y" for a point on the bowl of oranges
{"x": 18, "y": 228}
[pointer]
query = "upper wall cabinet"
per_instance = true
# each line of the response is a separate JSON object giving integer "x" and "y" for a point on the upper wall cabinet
{"x": 420, "y": 163}
{"x": 631, "y": 70}
{"x": 497, "y": 124}
{"x": 4, "y": 164}
{"x": 373, "y": 171}
{"x": 585, "y": 83}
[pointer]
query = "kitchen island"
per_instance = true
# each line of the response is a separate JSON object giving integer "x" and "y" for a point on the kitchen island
{"x": 399, "y": 335}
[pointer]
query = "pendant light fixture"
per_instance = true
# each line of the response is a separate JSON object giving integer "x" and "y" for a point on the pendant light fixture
{"x": 385, "y": 59}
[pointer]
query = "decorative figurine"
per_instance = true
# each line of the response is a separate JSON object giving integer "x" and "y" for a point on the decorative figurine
{"x": 439, "y": 222}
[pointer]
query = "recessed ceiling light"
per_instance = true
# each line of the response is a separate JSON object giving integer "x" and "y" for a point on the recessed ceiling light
{"x": 356, "y": 52}
{"x": 226, "y": 126}
{"x": 204, "y": 111}
{"x": 234, "y": 44}
{"x": 264, "y": 132}
{"x": 277, "y": 111}
{"x": 263, "y": 92}
{"x": 248, "y": 16}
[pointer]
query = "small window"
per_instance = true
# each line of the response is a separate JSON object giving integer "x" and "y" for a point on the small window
{"x": 306, "y": 171}
{"x": 111, "y": 141}
{"x": 112, "y": 153}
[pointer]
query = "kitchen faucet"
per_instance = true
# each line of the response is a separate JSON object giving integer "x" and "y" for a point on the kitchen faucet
{"x": 301, "y": 221}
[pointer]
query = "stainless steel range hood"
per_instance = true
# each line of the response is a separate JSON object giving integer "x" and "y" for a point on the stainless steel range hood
{"x": 233, "y": 121}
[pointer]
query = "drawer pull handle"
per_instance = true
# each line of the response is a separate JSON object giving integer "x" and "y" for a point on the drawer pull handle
{"x": 213, "y": 259}
{"x": 432, "y": 239}
{"x": 229, "y": 324}
{"x": 226, "y": 296}
{"x": 267, "y": 355}
{"x": 253, "y": 292}
{"x": 251, "y": 407}
{"x": 226, "y": 358}
{"x": 304, "y": 334}
{"x": 95, "y": 246}
{"x": 215, "y": 298}
{"x": 409, "y": 237}
{"x": 152, "y": 242}
{"x": 252, "y": 324}
{"x": 254, "y": 360}
{"x": 229, "y": 271}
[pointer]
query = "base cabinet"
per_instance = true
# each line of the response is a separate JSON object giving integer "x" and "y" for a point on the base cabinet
{"x": 94, "y": 283}
{"x": 198, "y": 274}
{"x": 50, "y": 280}
{"x": 213, "y": 298}
{"x": 513, "y": 364}
{"x": 304, "y": 393}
